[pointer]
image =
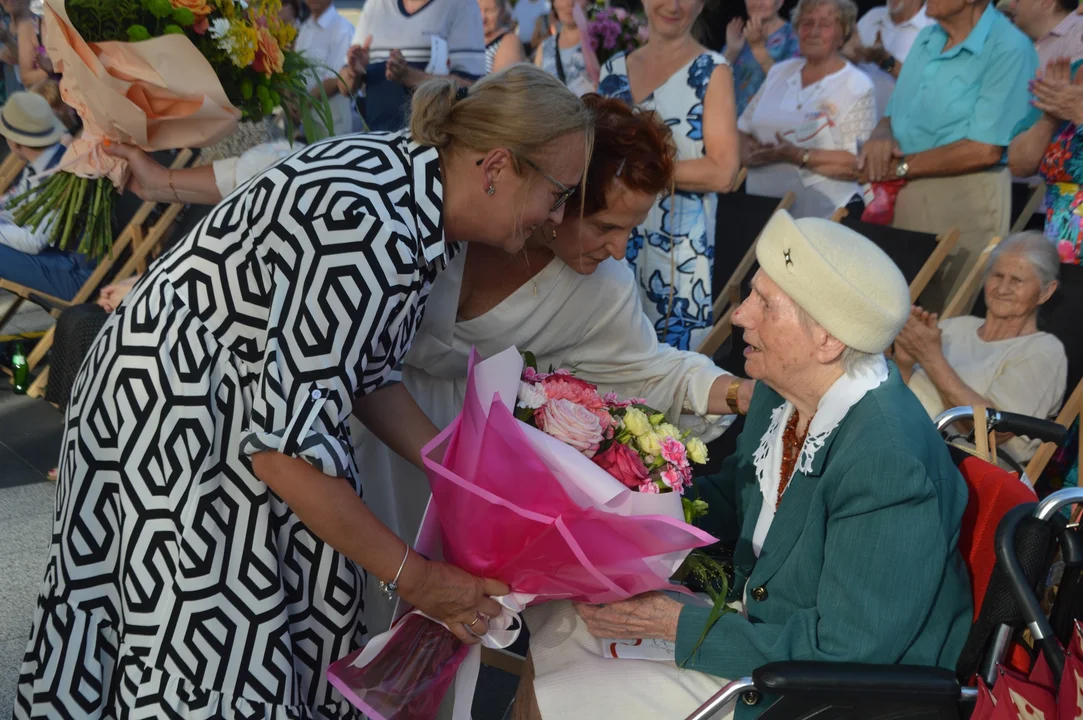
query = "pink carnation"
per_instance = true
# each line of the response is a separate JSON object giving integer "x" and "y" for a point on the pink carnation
{"x": 561, "y": 386}
{"x": 572, "y": 424}
{"x": 613, "y": 401}
{"x": 531, "y": 375}
{"x": 672, "y": 478}
{"x": 650, "y": 488}
{"x": 673, "y": 452}
{"x": 623, "y": 463}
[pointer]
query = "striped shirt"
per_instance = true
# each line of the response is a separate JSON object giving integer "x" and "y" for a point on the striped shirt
{"x": 457, "y": 22}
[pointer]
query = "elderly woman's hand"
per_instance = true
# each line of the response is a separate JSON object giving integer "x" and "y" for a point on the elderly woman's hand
{"x": 651, "y": 615}
{"x": 398, "y": 70}
{"x": 920, "y": 338}
{"x": 1057, "y": 93}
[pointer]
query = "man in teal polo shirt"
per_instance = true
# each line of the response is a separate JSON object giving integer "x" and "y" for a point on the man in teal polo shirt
{"x": 961, "y": 93}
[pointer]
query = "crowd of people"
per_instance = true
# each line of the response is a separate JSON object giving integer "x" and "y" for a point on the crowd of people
{"x": 529, "y": 195}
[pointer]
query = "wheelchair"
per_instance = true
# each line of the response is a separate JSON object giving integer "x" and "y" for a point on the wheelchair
{"x": 1009, "y": 541}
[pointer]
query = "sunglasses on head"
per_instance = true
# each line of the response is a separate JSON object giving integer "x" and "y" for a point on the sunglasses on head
{"x": 565, "y": 191}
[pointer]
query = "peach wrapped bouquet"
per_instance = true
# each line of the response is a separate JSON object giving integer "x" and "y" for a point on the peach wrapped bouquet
{"x": 162, "y": 75}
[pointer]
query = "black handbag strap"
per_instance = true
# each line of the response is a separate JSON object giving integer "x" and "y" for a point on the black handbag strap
{"x": 560, "y": 63}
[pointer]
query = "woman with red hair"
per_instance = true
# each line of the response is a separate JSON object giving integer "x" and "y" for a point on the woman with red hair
{"x": 570, "y": 299}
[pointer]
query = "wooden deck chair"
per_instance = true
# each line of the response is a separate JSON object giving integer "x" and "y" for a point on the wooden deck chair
{"x": 967, "y": 294}
{"x": 136, "y": 263}
{"x": 919, "y": 255}
{"x": 1067, "y": 416}
{"x": 132, "y": 214}
{"x": 745, "y": 223}
{"x": 1029, "y": 209}
{"x": 10, "y": 168}
{"x": 742, "y": 175}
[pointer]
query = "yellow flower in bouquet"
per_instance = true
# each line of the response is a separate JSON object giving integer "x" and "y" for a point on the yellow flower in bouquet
{"x": 650, "y": 443}
{"x": 635, "y": 420}
{"x": 668, "y": 430}
{"x": 243, "y": 41}
{"x": 284, "y": 33}
{"x": 697, "y": 451}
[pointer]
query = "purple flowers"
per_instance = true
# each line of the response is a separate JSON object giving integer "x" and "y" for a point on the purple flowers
{"x": 613, "y": 30}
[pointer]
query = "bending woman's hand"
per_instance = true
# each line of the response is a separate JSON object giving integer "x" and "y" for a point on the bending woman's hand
{"x": 456, "y": 598}
{"x": 154, "y": 183}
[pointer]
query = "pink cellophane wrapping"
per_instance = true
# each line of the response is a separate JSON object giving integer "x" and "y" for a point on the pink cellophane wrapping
{"x": 158, "y": 94}
{"x": 512, "y": 503}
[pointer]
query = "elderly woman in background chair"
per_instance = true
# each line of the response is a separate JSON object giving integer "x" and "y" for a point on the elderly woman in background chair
{"x": 802, "y": 130}
{"x": 1001, "y": 360}
{"x": 502, "y": 46}
{"x": 842, "y": 502}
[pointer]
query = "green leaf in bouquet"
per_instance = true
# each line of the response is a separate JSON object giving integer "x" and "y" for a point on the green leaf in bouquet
{"x": 703, "y": 571}
{"x": 247, "y": 89}
{"x": 524, "y": 414}
{"x": 530, "y": 360}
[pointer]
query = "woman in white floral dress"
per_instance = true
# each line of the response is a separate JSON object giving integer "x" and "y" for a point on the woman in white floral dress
{"x": 691, "y": 88}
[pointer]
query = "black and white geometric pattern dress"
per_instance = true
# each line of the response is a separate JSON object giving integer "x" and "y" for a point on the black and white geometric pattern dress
{"x": 178, "y": 585}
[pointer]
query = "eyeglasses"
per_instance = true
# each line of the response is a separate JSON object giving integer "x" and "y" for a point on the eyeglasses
{"x": 565, "y": 191}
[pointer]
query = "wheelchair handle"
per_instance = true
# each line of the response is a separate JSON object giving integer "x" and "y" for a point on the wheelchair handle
{"x": 1060, "y": 499}
{"x": 1014, "y": 423}
{"x": 1022, "y": 591}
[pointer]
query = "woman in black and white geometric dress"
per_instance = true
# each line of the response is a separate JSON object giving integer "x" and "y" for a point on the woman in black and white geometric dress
{"x": 210, "y": 541}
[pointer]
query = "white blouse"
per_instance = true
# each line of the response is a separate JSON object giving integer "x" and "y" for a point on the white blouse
{"x": 836, "y": 113}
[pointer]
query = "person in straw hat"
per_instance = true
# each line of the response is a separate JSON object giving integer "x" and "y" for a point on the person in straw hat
{"x": 34, "y": 133}
{"x": 842, "y": 503}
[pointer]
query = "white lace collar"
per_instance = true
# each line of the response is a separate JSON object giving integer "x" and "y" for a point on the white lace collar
{"x": 833, "y": 407}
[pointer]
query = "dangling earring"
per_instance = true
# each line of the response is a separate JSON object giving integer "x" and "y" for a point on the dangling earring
{"x": 490, "y": 191}
{"x": 554, "y": 236}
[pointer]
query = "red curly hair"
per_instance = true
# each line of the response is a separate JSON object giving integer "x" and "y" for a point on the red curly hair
{"x": 635, "y": 143}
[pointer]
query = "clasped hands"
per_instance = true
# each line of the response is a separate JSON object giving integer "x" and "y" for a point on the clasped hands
{"x": 919, "y": 338}
{"x": 1057, "y": 93}
{"x": 738, "y": 32}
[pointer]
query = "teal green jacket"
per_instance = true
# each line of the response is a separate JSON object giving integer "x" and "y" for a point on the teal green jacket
{"x": 861, "y": 563}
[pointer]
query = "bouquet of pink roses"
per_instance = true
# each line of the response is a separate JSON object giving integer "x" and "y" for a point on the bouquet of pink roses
{"x": 612, "y": 30}
{"x": 628, "y": 439}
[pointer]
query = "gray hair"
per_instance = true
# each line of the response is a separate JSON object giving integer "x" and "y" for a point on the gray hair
{"x": 1036, "y": 248}
{"x": 853, "y": 361}
{"x": 847, "y": 14}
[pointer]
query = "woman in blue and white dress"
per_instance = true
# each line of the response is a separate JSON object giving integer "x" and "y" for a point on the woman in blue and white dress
{"x": 691, "y": 88}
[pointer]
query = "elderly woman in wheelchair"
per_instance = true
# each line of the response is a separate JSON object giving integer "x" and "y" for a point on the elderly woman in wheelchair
{"x": 843, "y": 502}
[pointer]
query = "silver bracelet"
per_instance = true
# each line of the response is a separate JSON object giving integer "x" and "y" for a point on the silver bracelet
{"x": 389, "y": 589}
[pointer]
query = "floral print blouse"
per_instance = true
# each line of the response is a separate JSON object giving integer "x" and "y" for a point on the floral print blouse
{"x": 1062, "y": 170}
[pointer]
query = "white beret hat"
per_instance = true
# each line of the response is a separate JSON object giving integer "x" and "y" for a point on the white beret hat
{"x": 839, "y": 277}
